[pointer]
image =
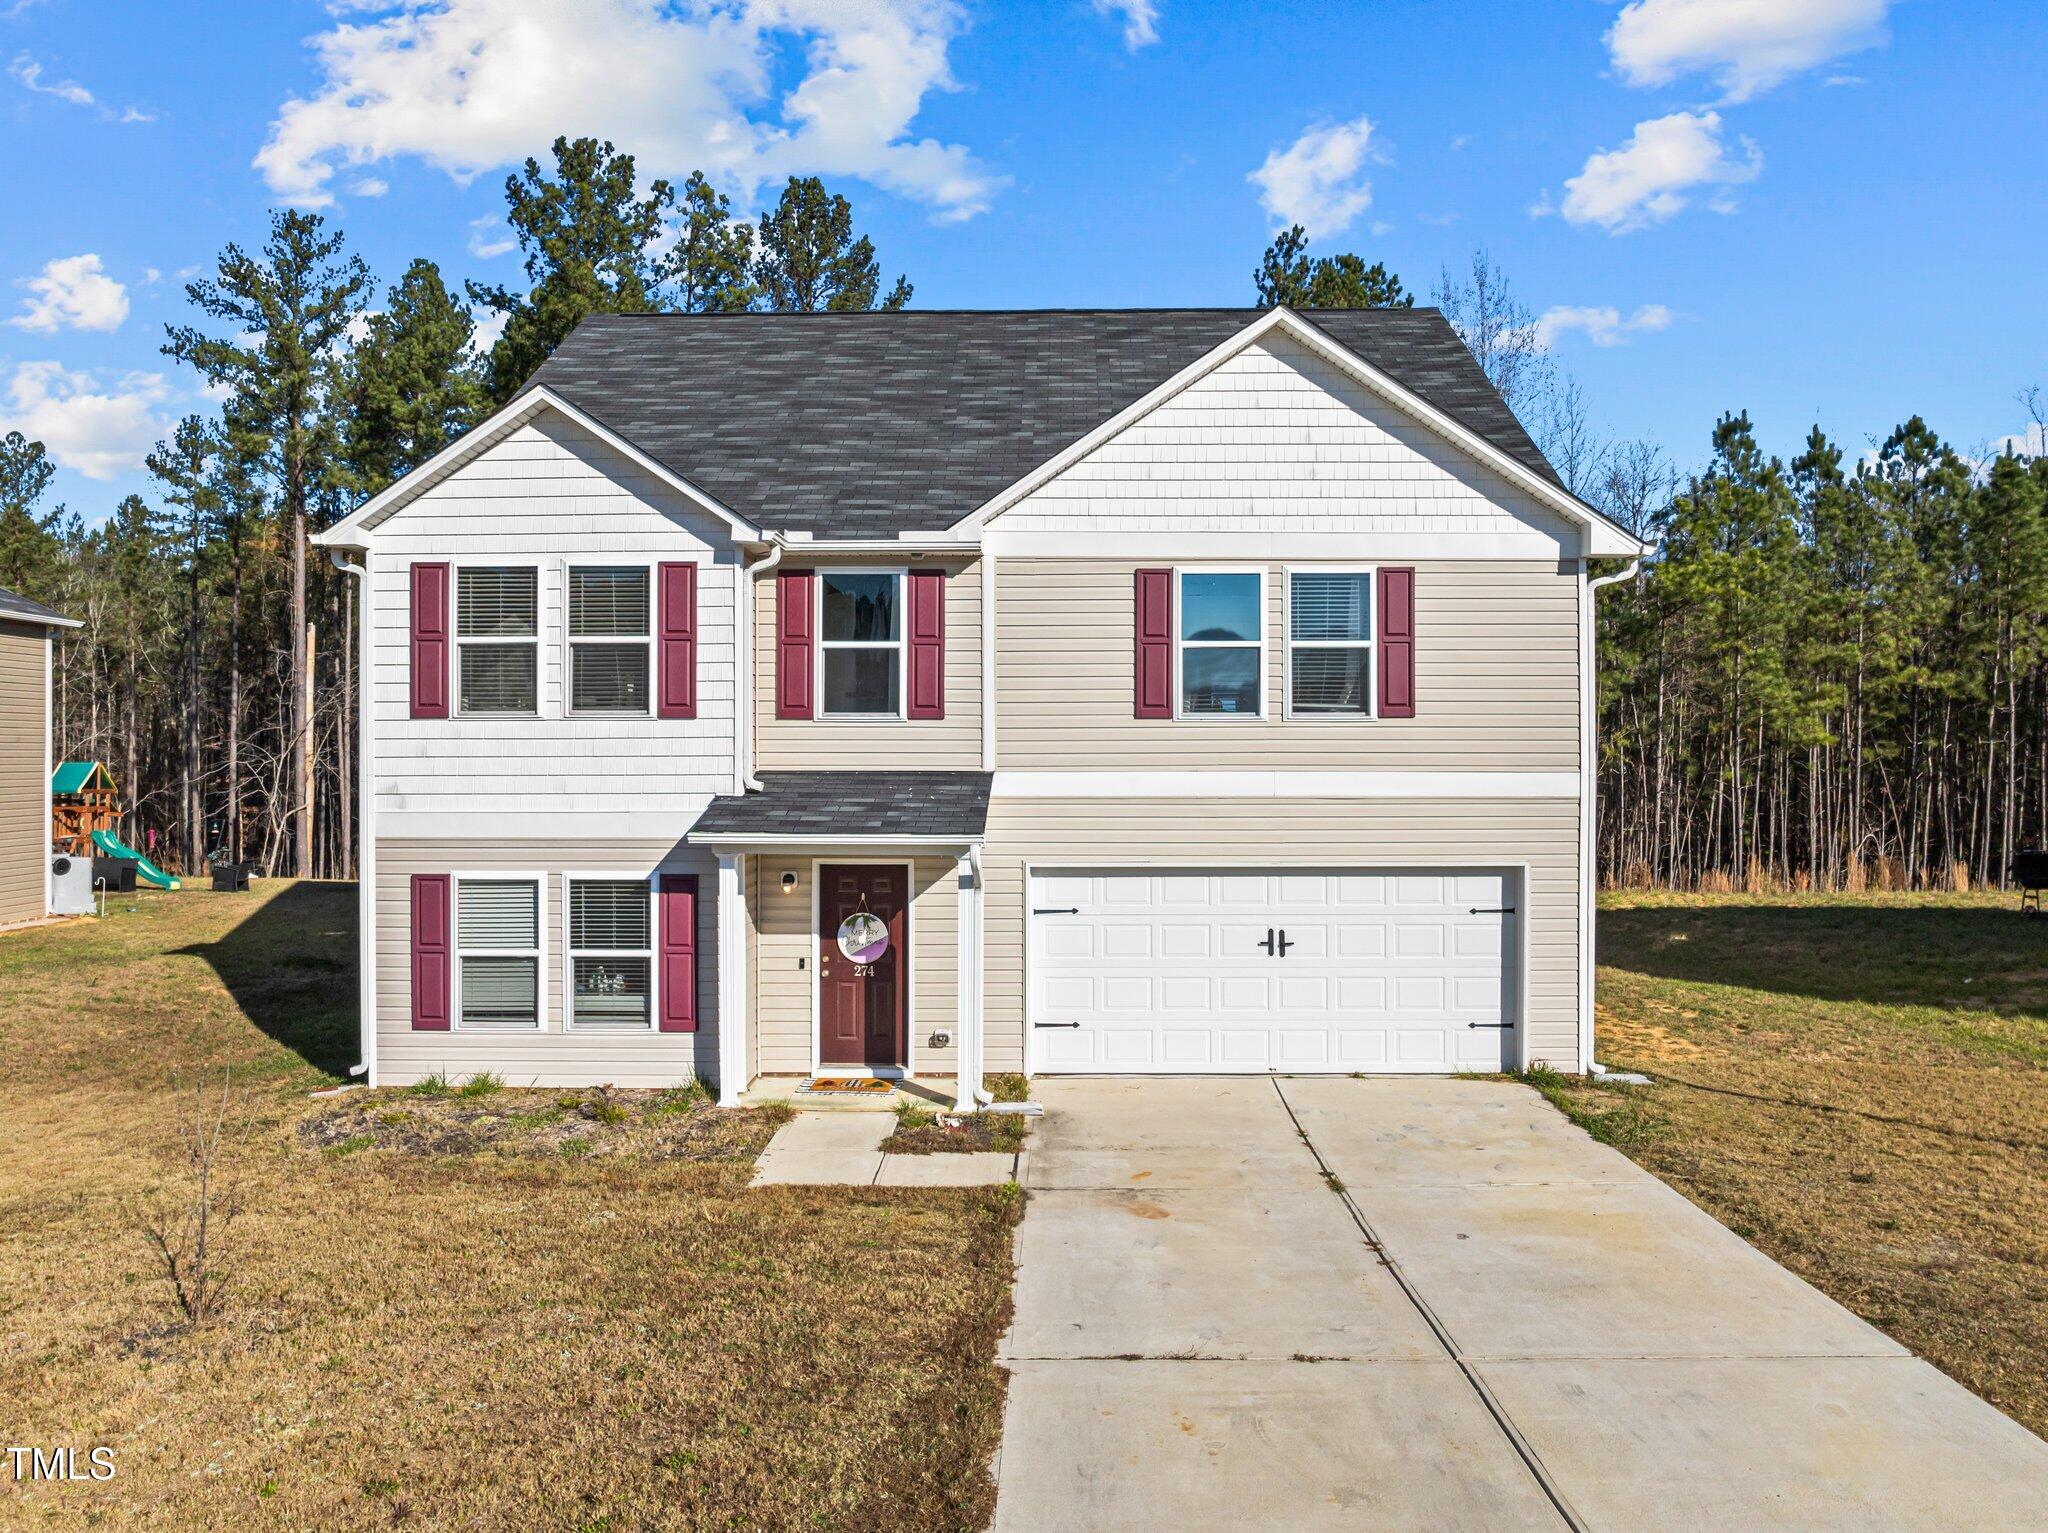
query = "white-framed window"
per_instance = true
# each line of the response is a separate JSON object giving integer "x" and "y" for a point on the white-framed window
{"x": 498, "y": 951}
{"x": 497, "y": 639}
{"x": 611, "y": 952}
{"x": 1220, "y": 642}
{"x": 611, "y": 638}
{"x": 1330, "y": 643}
{"x": 860, "y": 643}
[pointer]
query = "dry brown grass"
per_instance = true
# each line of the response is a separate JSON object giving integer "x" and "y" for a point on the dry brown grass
{"x": 1859, "y": 1085}
{"x": 513, "y": 1336}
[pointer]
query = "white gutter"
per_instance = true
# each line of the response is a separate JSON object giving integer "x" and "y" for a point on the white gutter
{"x": 743, "y": 647}
{"x": 979, "y": 1092}
{"x": 366, "y": 829}
{"x": 1589, "y": 724}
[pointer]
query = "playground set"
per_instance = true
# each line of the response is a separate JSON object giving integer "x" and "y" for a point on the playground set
{"x": 85, "y": 806}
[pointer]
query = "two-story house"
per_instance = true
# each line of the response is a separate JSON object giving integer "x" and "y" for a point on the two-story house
{"x": 938, "y": 693}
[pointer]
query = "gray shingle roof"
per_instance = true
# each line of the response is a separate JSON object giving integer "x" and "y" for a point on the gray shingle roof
{"x": 853, "y": 425}
{"x": 13, "y": 605}
{"x": 827, "y": 804}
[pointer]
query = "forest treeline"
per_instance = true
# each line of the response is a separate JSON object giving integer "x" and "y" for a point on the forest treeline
{"x": 1832, "y": 673}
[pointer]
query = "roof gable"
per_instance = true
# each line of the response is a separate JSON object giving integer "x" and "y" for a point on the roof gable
{"x": 878, "y": 424}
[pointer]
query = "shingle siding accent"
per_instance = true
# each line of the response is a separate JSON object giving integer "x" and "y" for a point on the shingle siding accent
{"x": 24, "y": 830}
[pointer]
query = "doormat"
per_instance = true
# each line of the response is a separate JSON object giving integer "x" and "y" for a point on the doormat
{"x": 845, "y": 1086}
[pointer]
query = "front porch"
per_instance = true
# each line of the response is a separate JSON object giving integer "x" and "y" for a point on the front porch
{"x": 850, "y": 922}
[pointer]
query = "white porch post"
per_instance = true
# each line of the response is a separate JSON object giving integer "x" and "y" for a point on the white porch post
{"x": 732, "y": 980}
{"x": 967, "y": 1078}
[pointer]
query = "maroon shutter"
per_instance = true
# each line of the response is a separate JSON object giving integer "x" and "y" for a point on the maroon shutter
{"x": 430, "y": 968}
{"x": 1152, "y": 685}
{"x": 430, "y": 642}
{"x": 927, "y": 644}
{"x": 675, "y": 641}
{"x": 1397, "y": 643}
{"x": 794, "y": 657}
{"x": 679, "y": 952}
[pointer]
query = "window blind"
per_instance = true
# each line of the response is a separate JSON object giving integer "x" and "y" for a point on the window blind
{"x": 500, "y": 678}
{"x": 500, "y": 992}
{"x": 1330, "y": 606}
{"x": 609, "y": 678}
{"x": 497, "y": 915}
{"x": 608, "y": 604}
{"x": 497, "y": 603}
{"x": 613, "y": 992}
{"x": 610, "y": 914}
{"x": 1332, "y": 680}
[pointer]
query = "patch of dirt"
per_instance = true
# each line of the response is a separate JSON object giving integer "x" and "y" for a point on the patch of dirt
{"x": 653, "y": 1125}
{"x": 921, "y": 1133}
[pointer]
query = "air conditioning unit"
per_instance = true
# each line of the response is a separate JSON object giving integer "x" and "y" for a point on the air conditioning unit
{"x": 70, "y": 885}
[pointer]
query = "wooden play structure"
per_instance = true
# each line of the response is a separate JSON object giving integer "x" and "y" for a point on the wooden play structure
{"x": 83, "y": 799}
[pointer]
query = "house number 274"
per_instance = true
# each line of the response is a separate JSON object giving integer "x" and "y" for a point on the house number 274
{"x": 863, "y": 970}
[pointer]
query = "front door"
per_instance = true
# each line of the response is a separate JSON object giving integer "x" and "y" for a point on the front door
{"x": 861, "y": 965}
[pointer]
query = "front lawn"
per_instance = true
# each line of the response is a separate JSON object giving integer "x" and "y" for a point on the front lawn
{"x": 507, "y": 1309}
{"x": 1858, "y": 1085}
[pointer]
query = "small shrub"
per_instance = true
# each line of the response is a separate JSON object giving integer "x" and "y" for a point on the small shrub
{"x": 191, "y": 1232}
{"x": 482, "y": 1084}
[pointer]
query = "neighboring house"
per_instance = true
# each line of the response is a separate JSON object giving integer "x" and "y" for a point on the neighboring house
{"x": 27, "y": 635}
{"x": 939, "y": 693}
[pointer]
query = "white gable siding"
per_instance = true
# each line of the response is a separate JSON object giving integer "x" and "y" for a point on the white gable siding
{"x": 550, "y": 494}
{"x": 1275, "y": 442}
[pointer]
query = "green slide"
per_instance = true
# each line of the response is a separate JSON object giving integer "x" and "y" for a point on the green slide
{"x": 145, "y": 870}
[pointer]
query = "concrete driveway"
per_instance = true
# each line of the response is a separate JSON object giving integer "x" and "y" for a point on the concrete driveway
{"x": 1436, "y": 1304}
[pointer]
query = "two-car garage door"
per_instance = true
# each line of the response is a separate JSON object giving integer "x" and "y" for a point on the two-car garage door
{"x": 1231, "y": 971}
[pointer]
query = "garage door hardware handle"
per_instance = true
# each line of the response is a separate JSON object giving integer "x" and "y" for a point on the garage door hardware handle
{"x": 1055, "y": 1024}
{"x": 1062, "y": 910}
{"x": 1491, "y": 910}
{"x": 1269, "y": 944}
{"x": 1498, "y": 1027}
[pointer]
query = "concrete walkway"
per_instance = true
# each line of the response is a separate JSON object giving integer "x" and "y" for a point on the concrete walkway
{"x": 1436, "y": 1304}
{"x": 844, "y": 1149}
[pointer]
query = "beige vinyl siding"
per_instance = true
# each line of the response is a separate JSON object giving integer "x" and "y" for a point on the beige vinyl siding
{"x": 551, "y": 1056}
{"x": 24, "y": 827}
{"x": 1302, "y": 833}
{"x": 783, "y": 934}
{"x": 1496, "y": 677}
{"x": 953, "y": 742}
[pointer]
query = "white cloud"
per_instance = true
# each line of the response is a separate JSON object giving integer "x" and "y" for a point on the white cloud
{"x": 490, "y": 324}
{"x": 369, "y": 186}
{"x": 1746, "y": 45}
{"x": 1603, "y": 326}
{"x": 488, "y": 237}
{"x": 470, "y": 85}
{"x": 98, "y": 431}
{"x": 1141, "y": 20}
{"x": 73, "y": 293}
{"x": 1318, "y": 181}
{"x": 1651, "y": 177}
{"x": 30, "y": 74}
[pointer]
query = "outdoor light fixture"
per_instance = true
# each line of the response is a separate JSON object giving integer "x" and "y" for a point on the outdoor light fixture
{"x": 789, "y": 883}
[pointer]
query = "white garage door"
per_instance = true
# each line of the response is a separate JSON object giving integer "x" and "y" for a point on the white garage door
{"x": 1231, "y": 971}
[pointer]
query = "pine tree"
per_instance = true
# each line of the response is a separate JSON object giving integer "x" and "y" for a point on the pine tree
{"x": 712, "y": 269}
{"x": 1289, "y": 278}
{"x": 412, "y": 383}
{"x": 30, "y": 552}
{"x": 808, "y": 258}
{"x": 590, "y": 244}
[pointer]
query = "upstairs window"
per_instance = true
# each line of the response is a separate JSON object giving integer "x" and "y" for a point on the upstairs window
{"x": 497, "y": 942}
{"x": 610, "y": 640}
{"x": 611, "y": 955}
{"x": 497, "y": 640}
{"x": 1222, "y": 642}
{"x": 860, "y": 643}
{"x": 1329, "y": 643}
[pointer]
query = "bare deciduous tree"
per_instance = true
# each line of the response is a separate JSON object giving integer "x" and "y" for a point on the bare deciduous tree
{"x": 1499, "y": 330}
{"x": 190, "y": 1230}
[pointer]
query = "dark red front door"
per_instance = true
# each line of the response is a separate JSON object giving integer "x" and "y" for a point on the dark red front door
{"x": 861, "y": 978}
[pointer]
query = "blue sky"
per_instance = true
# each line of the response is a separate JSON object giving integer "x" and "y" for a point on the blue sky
{"x": 1818, "y": 210}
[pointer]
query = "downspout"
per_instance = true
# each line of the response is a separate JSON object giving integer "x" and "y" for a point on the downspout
{"x": 744, "y": 648}
{"x": 366, "y": 830}
{"x": 1589, "y": 716}
{"x": 977, "y": 1086}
